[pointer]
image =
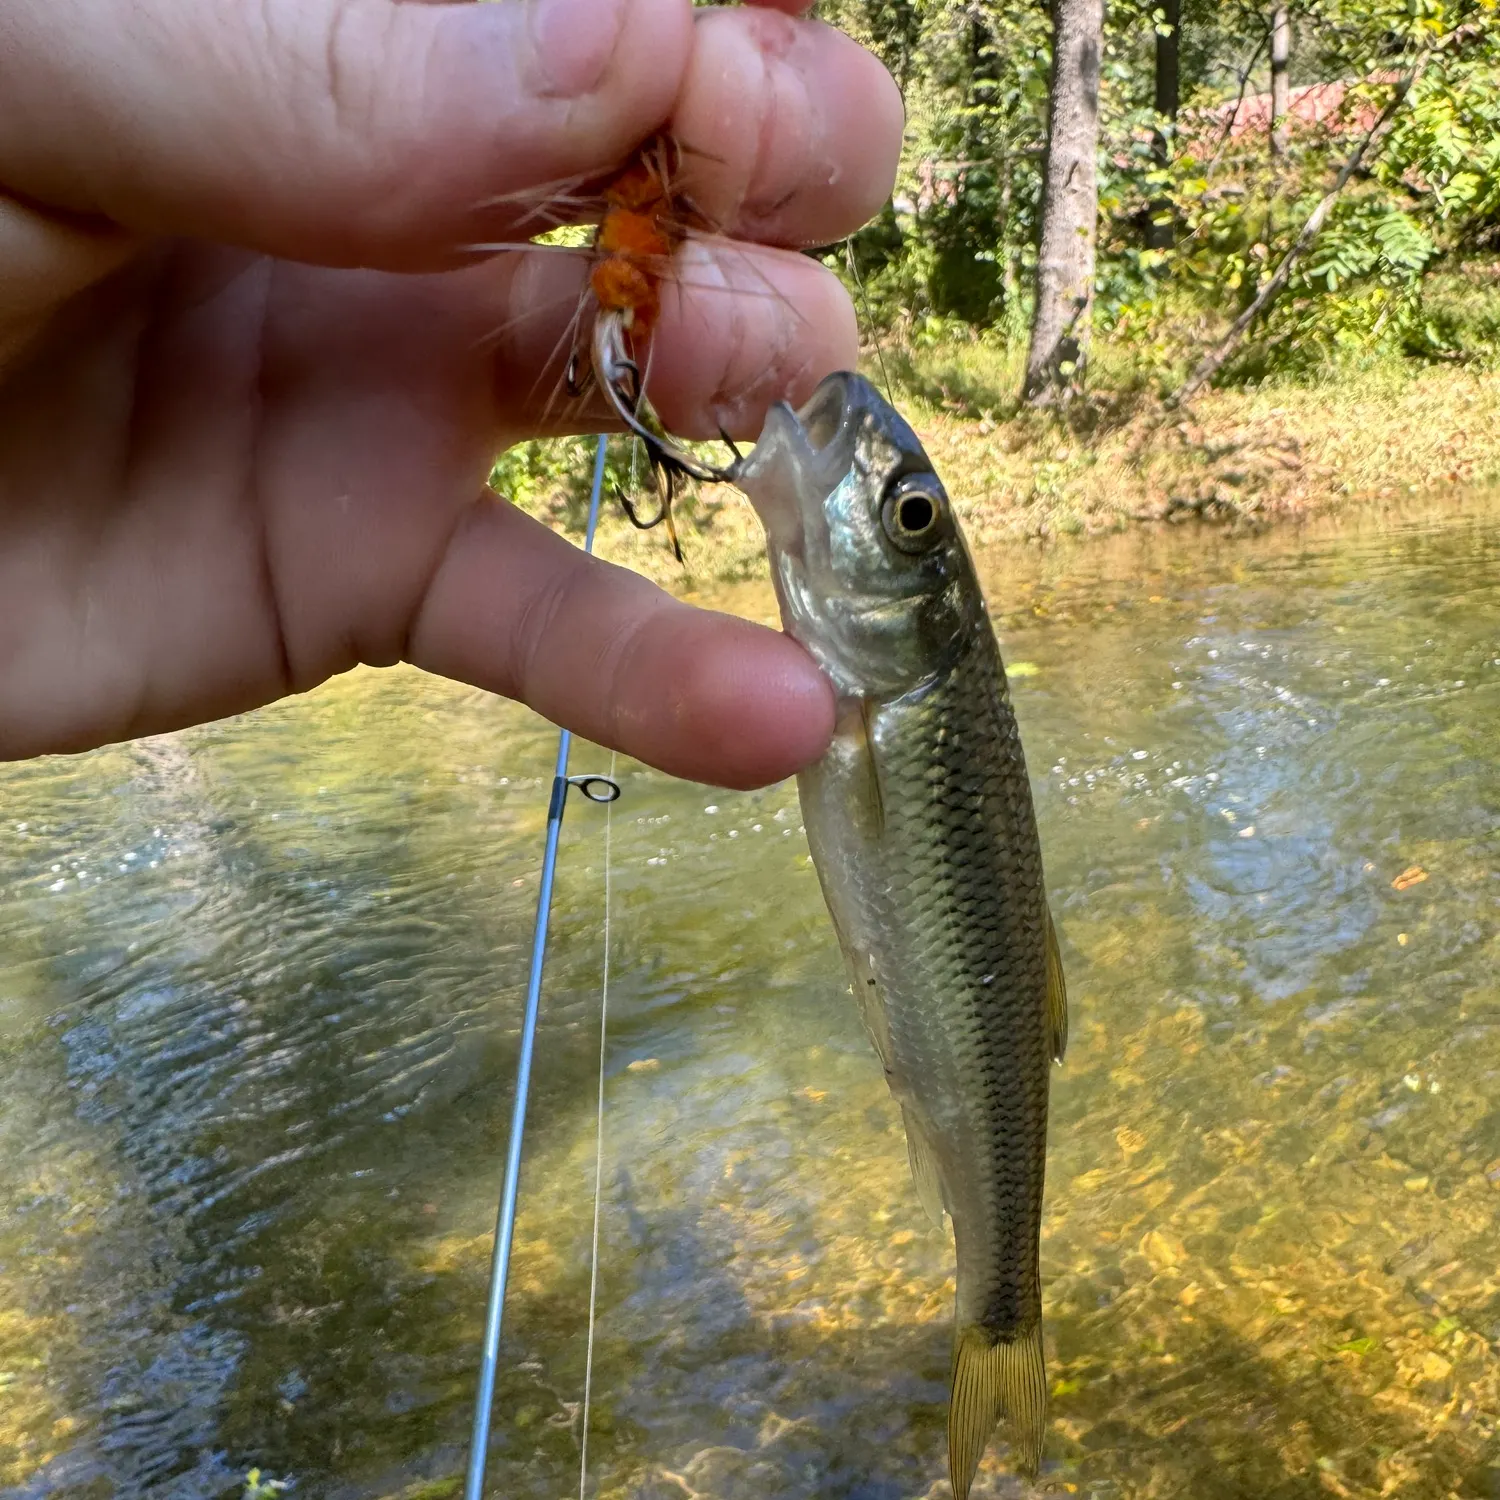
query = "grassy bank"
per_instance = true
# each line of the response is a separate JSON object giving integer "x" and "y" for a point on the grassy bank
{"x": 1241, "y": 457}
{"x": 1236, "y": 455}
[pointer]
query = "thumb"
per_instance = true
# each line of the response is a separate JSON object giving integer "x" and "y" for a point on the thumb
{"x": 342, "y": 132}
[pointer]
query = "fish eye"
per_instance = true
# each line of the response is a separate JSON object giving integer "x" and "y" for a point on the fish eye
{"x": 915, "y": 513}
{"x": 912, "y": 512}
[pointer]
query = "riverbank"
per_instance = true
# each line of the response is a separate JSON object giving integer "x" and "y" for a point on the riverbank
{"x": 1239, "y": 458}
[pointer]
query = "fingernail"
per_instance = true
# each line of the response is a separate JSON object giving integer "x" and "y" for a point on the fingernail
{"x": 572, "y": 43}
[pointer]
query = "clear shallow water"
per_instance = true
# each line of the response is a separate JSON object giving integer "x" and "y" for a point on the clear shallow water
{"x": 259, "y": 991}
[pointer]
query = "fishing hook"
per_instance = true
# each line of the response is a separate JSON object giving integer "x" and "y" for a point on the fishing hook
{"x": 577, "y": 377}
{"x": 665, "y": 494}
{"x": 620, "y": 380}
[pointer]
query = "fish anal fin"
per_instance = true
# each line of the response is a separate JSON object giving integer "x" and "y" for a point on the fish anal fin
{"x": 1057, "y": 995}
{"x": 924, "y": 1168}
{"x": 992, "y": 1377}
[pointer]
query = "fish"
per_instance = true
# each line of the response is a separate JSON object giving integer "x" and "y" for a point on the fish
{"x": 923, "y": 833}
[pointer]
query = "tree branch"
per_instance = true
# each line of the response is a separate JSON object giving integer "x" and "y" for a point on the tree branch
{"x": 1239, "y": 99}
{"x": 1210, "y": 364}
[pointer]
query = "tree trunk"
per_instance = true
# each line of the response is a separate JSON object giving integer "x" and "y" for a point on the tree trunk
{"x": 1070, "y": 205}
{"x": 1281, "y": 52}
{"x": 1161, "y": 232}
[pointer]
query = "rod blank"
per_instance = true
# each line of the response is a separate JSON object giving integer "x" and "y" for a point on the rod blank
{"x": 505, "y": 1223}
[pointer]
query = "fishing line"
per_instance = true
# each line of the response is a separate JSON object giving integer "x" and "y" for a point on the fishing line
{"x": 596, "y": 789}
{"x": 864, "y": 302}
{"x": 588, "y": 1362}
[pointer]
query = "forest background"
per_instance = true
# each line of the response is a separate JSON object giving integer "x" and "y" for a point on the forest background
{"x": 1170, "y": 260}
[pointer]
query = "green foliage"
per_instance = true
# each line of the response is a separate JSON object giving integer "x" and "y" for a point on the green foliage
{"x": 1460, "y": 315}
{"x": 1370, "y": 242}
{"x": 957, "y": 241}
{"x": 953, "y": 256}
{"x": 1444, "y": 149}
{"x": 560, "y": 472}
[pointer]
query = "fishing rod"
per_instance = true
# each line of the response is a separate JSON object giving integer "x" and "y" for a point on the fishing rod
{"x": 599, "y": 789}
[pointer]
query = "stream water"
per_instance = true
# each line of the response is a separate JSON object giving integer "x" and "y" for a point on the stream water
{"x": 259, "y": 993}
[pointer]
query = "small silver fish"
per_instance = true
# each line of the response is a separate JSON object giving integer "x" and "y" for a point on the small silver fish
{"x": 924, "y": 837}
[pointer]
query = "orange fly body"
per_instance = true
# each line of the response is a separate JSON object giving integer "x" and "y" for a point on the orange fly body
{"x": 635, "y": 239}
{"x": 644, "y": 220}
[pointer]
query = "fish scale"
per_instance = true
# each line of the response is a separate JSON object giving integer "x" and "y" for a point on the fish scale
{"x": 923, "y": 833}
{"x": 973, "y": 855}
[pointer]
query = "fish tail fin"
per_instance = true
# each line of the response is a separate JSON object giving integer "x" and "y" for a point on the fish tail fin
{"x": 992, "y": 1376}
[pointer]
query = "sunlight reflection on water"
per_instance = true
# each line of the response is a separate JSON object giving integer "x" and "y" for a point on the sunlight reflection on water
{"x": 259, "y": 986}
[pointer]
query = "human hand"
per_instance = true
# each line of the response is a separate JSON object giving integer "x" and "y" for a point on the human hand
{"x": 251, "y": 381}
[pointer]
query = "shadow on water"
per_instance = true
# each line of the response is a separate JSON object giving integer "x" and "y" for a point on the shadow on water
{"x": 244, "y": 1082}
{"x": 259, "y": 991}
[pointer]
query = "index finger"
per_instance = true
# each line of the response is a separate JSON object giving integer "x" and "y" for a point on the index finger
{"x": 516, "y": 609}
{"x": 335, "y": 132}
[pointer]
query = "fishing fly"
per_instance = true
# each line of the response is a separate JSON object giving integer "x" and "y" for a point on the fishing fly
{"x": 646, "y": 220}
{"x": 643, "y": 217}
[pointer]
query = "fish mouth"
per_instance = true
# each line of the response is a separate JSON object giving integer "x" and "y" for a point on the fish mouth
{"x": 827, "y": 409}
{"x": 801, "y": 456}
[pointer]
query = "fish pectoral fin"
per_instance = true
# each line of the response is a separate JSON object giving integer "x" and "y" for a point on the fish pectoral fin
{"x": 991, "y": 1376}
{"x": 1057, "y": 995}
{"x": 872, "y": 793}
{"x": 924, "y": 1168}
{"x": 867, "y": 995}
{"x": 858, "y": 770}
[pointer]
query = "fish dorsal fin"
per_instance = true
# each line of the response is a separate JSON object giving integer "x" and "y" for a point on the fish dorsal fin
{"x": 1057, "y": 995}
{"x": 993, "y": 1376}
{"x": 924, "y": 1168}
